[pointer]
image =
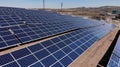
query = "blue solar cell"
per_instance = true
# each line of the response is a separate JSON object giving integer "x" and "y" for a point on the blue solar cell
{"x": 26, "y": 39}
{"x": 78, "y": 43}
{"x": 59, "y": 54}
{"x": 20, "y": 53}
{"x": 38, "y": 64}
{"x": 67, "y": 50}
{"x": 86, "y": 38}
{"x": 81, "y": 34}
{"x": 94, "y": 39}
{"x": 78, "y": 37}
{"x": 55, "y": 40}
{"x": 2, "y": 44}
{"x": 5, "y": 59}
{"x": 73, "y": 46}
{"x": 12, "y": 42}
{"x": 9, "y": 37}
{"x": 52, "y": 48}
{"x": 57, "y": 65}
{"x": 48, "y": 61}
{"x": 73, "y": 55}
{"x": 73, "y": 39}
{"x": 90, "y": 36}
{"x": 68, "y": 41}
{"x": 68, "y": 35}
{"x": 79, "y": 50}
{"x": 42, "y": 53}
{"x": 66, "y": 61}
{"x": 21, "y": 34}
{"x": 91, "y": 42}
{"x": 73, "y": 33}
{"x": 13, "y": 64}
{"x": 35, "y": 37}
{"x": 87, "y": 44}
{"x": 84, "y": 47}
{"x": 62, "y": 37}
{"x": 60, "y": 45}
{"x": 42, "y": 35}
{"x": 24, "y": 62}
{"x": 1, "y": 39}
{"x": 30, "y": 33}
{"x": 82, "y": 40}
{"x": 35, "y": 47}
{"x": 47, "y": 43}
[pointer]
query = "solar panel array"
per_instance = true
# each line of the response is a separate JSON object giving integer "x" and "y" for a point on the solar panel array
{"x": 22, "y": 26}
{"x": 19, "y": 26}
{"x": 59, "y": 51}
{"x": 115, "y": 57}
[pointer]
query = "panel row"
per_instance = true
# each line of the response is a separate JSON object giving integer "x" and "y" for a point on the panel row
{"x": 115, "y": 57}
{"x": 18, "y": 25}
{"x": 57, "y": 52}
{"x": 20, "y": 16}
{"x": 30, "y": 32}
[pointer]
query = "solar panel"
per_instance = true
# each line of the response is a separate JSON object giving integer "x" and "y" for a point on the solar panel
{"x": 59, "y": 51}
{"x": 6, "y": 20}
{"x": 115, "y": 57}
{"x": 7, "y": 39}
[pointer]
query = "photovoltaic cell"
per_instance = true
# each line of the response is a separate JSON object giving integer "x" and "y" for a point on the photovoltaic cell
{"x": 6, "y": 59}
{"x": 51, "y": 60}
{"x": 13, "y": 64}
{"x": 24, "y": 62}
{"x": 38, "y": 64}
{"x": 19, "y": 53}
